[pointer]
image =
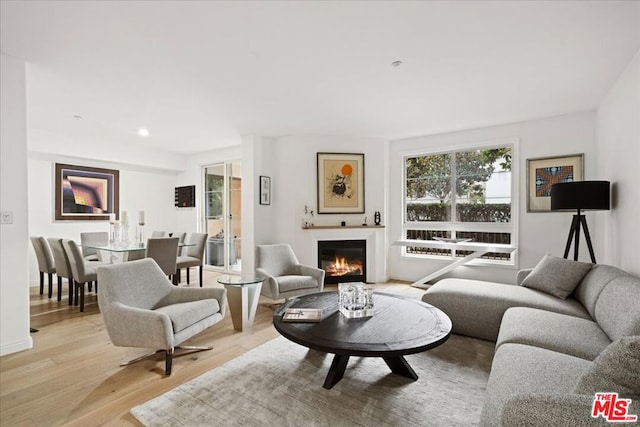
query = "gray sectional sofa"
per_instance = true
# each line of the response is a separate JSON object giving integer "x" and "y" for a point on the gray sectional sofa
{"x": 552, "y": 354}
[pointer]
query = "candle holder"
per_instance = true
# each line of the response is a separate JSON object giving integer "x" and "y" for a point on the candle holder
{"x": 140, "y": 234}
{"x": 125, "y": 233}
{"x": 117, "y": 233}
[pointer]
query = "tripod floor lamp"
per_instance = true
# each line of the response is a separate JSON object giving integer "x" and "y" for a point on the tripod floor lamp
{"x": 580, "y": 196}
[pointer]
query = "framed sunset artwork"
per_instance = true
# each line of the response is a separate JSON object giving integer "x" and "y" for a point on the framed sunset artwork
{"x": 85, "y": 193}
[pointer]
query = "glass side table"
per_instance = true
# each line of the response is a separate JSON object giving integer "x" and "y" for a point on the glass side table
{"x": 243, "y": 293}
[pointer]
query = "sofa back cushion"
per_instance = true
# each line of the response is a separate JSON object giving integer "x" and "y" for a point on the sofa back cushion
{"x": 593, "y": 283}
{"x": 618, "y": 307}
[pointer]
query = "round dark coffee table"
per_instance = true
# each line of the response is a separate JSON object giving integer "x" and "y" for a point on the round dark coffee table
{"x": 398, "y": 327}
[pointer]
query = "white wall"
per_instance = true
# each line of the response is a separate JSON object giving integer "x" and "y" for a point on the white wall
{"x": 539, "y": 233}
{"x": 142, "y": 187}
{"x": 292, "y": 161}
{"x": 618, "y": 149}
{"x": 14, "y": 242}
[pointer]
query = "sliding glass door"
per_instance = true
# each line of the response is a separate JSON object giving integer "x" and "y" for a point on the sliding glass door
{"x": 223, "y": 214}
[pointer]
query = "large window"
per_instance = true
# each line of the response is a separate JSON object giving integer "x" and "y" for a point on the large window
{"x": 462, "y": 194}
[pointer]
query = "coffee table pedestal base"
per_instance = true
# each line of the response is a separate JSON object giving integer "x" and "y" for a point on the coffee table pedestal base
{"x": 397, "y": 364}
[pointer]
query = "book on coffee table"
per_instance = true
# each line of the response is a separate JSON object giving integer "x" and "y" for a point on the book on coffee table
{"x": 302, "y": 315}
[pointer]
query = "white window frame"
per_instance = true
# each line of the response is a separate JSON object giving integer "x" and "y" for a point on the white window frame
{"x": 453, "y": 226}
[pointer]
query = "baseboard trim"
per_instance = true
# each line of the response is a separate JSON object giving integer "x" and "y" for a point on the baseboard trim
{"x": 14, "y": 347}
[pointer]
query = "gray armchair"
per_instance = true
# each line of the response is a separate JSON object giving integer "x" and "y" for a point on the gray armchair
{"x": 141, "y": 308}
{"x": 285, "y": 276}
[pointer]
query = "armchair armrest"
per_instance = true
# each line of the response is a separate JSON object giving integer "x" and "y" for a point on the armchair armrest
{"x": 153, "y": 329}
{"x": 179, "y": 295}
{"x": 269, "y": 281}
{"x": 316, "y": 273}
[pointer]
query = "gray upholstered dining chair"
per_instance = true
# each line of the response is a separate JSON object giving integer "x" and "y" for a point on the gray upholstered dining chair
{"x": 141, "y": 308}
{"x": 164, "y": 251}
{"x": 46, "y": 263}
{"x": 96, "y": 238}
{"x": 63, "y": 266}
{"x": 83, "y": 271}
{"x": 193, "y": 256}
{"x": 284, "y": 276}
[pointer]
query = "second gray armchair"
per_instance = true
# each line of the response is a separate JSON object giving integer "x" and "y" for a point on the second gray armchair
{"x": 285, "y": 276}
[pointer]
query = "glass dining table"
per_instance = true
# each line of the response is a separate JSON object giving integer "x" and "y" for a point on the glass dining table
{"x": 124, "y": 251}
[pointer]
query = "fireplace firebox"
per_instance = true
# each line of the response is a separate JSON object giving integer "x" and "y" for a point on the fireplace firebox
{"x": 343, "y": 260}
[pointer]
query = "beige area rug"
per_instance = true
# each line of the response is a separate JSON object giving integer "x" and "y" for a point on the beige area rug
{"x": 280, "y": 383}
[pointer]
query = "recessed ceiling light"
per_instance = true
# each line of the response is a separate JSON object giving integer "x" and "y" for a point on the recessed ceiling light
{"x": 77, "y": 116}
{"x": 396, "y": 63}
{"x": 143, "y": 132}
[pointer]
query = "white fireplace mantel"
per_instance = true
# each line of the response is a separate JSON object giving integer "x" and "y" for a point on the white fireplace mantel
{"x": 376, "y": 248}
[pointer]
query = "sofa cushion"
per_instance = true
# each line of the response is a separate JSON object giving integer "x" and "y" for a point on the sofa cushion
{"x": 476, "y": 307}
{"x": 556, "y": 276}
{"x": 519, "y": 369}
{"x": 616, "y": 369}
{"x": 185, "y": 314}
{"x": 593, "y": 283}
{"x": 618, "y": 307}
{"x": 558, "y": 332}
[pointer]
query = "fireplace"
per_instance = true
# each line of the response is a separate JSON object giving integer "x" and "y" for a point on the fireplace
{"x": 343, "y": 260}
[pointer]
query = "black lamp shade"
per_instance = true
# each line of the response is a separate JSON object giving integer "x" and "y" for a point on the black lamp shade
{"x": 583, "y": 195}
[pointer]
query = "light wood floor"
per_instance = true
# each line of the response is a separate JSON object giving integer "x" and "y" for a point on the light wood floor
{"x": 72, "y": 376}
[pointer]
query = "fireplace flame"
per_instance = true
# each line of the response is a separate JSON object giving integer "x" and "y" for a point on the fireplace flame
{"x": 342, "y": 267}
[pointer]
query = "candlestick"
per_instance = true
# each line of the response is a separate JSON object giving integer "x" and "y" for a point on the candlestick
{"x": 141, "y": 218}
{"x": 124, "y": 217}
{"x": 112, "y": 218}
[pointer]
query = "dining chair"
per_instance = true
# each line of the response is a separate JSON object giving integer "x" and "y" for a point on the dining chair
{"x": 97, "y": 238}
{"x": 164, "y": 251}
{"x": 193, "y": 256}
{"x": 46, "y": 263}
{"x": 63, "y": 266}
{"x": 284, "y": 276}
{"x": 83, "y": 271}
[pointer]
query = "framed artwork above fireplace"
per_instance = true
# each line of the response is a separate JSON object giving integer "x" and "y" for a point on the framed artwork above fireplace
{"x": 340, "y": 183}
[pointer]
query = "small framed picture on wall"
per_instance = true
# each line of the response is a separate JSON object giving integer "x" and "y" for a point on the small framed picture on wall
{"x": 543, "y": 172}
{"x": 265, "y": 190}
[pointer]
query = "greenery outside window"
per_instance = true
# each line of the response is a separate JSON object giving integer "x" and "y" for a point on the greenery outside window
{"x": 461, "y": 194}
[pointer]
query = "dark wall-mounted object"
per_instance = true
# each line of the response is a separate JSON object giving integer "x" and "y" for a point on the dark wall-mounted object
{"x": 185, "y": 197}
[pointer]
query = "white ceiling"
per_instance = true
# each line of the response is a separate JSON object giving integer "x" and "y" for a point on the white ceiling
{"x": 199, "y": 74}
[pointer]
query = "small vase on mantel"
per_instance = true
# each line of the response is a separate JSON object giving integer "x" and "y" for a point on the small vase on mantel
{"x": 307, "y": 219}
